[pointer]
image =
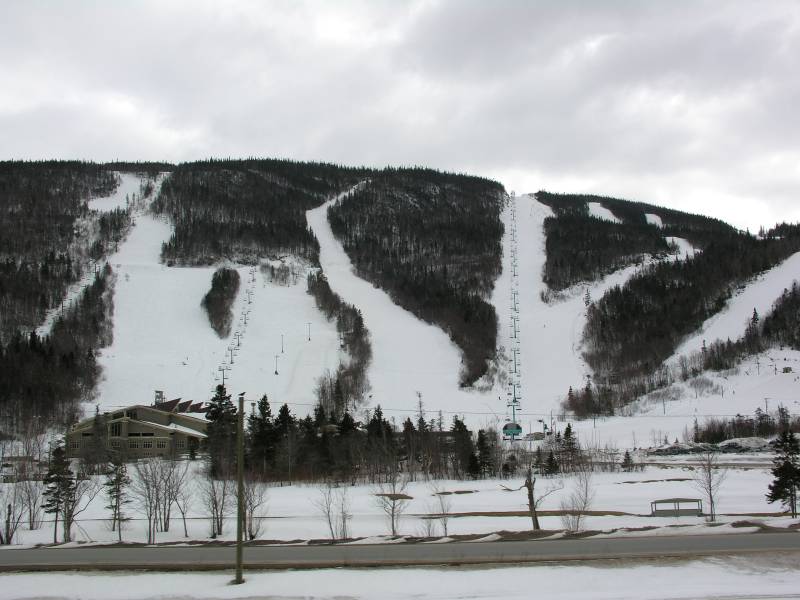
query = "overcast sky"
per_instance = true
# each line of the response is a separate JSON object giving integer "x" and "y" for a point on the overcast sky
{"x": 693, "y": 105}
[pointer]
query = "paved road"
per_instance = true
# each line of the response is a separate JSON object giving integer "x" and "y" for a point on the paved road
{"x": 207, "y": 557}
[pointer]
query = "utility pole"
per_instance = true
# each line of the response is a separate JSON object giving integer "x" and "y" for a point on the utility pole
{"x": 223, "y": 369}
{"x": 281, "y": 343}
{"x": 309, "y": 330}
{"x": 240, "y": 489}
{"x": 277, "y": 356}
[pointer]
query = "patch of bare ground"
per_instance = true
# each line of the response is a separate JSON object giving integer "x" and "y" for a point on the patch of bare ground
{"x": 655, "y": 480}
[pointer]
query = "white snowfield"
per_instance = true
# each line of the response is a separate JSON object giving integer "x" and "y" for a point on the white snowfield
{"x": 759, "y": 294}
{"x": 654, "y": 220}
{"x": 622, "y": 500}
{"x": 163, "y": 341}
{"x": 409, "y": 356}
{"x": 766, "y": 576}
{"x": 599, "y": 211}
{"x": 129, "y": 186}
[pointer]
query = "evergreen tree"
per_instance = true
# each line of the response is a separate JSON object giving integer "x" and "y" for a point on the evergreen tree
{"x": 221, "y": 432}
{"x": 261, "y": 435}
{"x": 59, "y": 486}
{"x": 627, "y": 462}
{"x": 484, "y": 453}
{"x": 551, "y": 467}
{"x": 786, "y": 470}
{"x": 116, "y": 484}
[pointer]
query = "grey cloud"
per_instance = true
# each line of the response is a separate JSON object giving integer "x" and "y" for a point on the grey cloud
{"x": 681, "y": 102}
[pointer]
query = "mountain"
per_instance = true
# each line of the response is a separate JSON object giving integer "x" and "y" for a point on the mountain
{"x": 363, "y": 287}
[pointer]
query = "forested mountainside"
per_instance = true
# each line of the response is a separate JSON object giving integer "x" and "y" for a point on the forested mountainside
{"x": 634, "y": 328}
{"x": 45, "y": 378}
{"x": 40, "y": 204}
{"x": 241, "y": 210}
{"x": 581, "y": 247}
{"x": 432, "y": 240}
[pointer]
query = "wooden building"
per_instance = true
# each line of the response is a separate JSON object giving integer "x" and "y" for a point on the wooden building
{"x": 139, "y": 431}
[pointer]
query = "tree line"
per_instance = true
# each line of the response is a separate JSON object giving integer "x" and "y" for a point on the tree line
{"x": 218, "y": 301}
{"x": 432, "y": 241}
{"x": 343, "y": 390}
{"x": 633, "y": 328}
{"x": 40, "y": 205}
{"x": 45, "y": 378}
{"x": 241, "y": 210}
{"x": 580, "y": 247}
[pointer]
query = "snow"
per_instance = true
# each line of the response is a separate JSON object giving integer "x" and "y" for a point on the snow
{"x": 622, "y": 500}
{"x": 176, "y": 427}
{"x": 129, "y": 186}
{"x": 598, "y": 211}
{"x": 409, "y": 356}
{"x": 654, "y": 220}
{"x": 163, "y": 341}
{"x": 758, "y": 294}
{"x": 752, "y": 576}
{"x": 684, "y": 247}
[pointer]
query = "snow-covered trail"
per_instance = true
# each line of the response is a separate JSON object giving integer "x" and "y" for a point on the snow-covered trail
{"x": 551, "y": 334}
{"x": 163, "y": 341}
{"x": 129, "y": 186}
{"x": 759, "y": 294}
{"x": 409, "y": 356}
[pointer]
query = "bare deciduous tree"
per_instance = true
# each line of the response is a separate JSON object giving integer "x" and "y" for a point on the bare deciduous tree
{"x": 708, "y": 477}
{"x": 443, "y": 506}
{"x": 77, "y": 501}
{"x": 32, "y": 490}
{"x": 534, "y": 500}
{"x": 255, "y": 505}
{"x": 579, "y": 501}
{"x": 12, "y": 509}
{"x": 216, "y": 495}
{"x": 333, "y": 503}
{"x": 391, "y": 498}
{"x": 147, "y": 489}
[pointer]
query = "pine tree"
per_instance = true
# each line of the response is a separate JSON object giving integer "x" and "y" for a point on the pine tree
{"x": 551, "y": 466}
{"x": 786, "y": 470}
{"x": 221, "y": 432}
{"x": 261, "y": 435}
{"x": 116, "y": 484}
{"x": 627, "y": 462}
{"x": 484, "y": 453}
{"x": 59, "y": 486}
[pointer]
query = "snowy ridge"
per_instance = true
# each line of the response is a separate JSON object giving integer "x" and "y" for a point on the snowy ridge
{"x": 759, "y": 294}
{"x": 654, "y": 220}
{"x": 599, "y": 211}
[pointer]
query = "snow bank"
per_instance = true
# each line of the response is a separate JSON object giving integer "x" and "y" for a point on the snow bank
{"x": 654, "y": 220}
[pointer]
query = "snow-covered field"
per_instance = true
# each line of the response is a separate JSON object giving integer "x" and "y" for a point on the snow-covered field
{"x": 764, "y": 576}
{"x": 292, "y": 512}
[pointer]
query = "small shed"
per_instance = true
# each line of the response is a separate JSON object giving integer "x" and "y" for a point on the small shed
{"x": 677, "y": 507}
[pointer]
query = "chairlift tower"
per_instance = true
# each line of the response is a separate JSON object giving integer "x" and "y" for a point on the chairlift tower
{"x": 511, "y": 430}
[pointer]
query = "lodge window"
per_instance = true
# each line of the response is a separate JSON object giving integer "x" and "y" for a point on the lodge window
{"x": 147, "y": 443}
{"x": 161, "y": 444}
{"x": 116, "y": 429}
{"x": 181, "y": 443}
{"x": 133, "y": 444}
{"x": 74, "y": 444}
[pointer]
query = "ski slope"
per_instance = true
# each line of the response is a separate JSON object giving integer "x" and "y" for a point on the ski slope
{"x": 163, "y": 341}
{"x": 598, "y": 211}
{"x": 410, "y": 357}
{"x": 759, "y": 294}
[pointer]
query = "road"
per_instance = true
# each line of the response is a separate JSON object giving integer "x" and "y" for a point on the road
{"x": 212, "y": 557}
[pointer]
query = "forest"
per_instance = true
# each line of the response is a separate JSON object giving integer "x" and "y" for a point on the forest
{"x": 581, "y": 248}
{"x": 40, "y": 206}
{"x": 241, "y": 210}
{"x": 432, "y": 240}
{"x": 218, "y": 301}
{"x": 632, "y": 329}
{"x": 43, "y": 379}
{"x": 343, "y": 390}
